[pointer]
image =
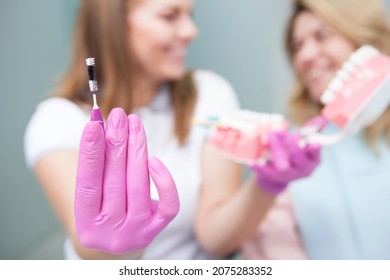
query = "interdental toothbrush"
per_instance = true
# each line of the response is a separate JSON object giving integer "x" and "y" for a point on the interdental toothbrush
{"x": 96, "y": 115}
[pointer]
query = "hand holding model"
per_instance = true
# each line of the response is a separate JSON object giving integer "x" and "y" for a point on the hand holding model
{"x": 113, "y": 208}
{"x": 290, "y": 158}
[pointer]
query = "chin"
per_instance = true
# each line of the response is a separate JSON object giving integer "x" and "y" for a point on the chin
{"x": 316, "y": 95}
{"x": 175, "y": 75}
{"x": 316, "y": 90}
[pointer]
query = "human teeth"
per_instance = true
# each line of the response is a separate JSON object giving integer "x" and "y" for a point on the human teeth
{"x": 314, "y": 73}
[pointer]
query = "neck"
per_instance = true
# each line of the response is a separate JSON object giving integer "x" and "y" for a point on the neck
{"x": 143, "y": 92}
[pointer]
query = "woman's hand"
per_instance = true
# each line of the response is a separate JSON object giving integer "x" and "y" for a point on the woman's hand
{"x": 289, "y": 160}
{"x": 113, "y": 208}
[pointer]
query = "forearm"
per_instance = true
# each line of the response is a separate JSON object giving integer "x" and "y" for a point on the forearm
{"x": 59, "y": 189}
{"x": 90, "y": 254}
{"x": 228, "y": 224}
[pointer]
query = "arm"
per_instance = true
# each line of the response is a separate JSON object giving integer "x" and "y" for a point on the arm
{"x": 102, "y": 195}
{"x": 228, "y": 213}
{"x": 56, "y": 173}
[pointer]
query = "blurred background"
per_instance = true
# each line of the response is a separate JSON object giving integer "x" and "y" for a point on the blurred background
{"x": 241, "y": 40}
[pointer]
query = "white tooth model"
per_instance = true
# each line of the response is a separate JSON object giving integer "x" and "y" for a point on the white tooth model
{"x": 243, "y": 135}
{"x": 355, "y": 98}
{"x": 360, "y": 91}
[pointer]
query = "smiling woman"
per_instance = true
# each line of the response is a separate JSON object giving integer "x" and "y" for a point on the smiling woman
{"x": 140, "y": 68}
{"x": 166, "y": 31}
{"x": 330, "y": 215}
{"x": 99, "y": 186}
{"x": 319, "y": 52}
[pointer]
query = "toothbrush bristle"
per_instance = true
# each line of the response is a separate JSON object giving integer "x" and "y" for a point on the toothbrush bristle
{"x": 93, "y": 86}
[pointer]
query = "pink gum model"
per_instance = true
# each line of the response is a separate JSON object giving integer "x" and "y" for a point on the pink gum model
{"x": 243, "y": 146}
{"x": 359, "y": 89}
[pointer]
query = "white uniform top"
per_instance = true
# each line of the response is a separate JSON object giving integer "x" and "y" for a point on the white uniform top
{"x": 57, "y": 124}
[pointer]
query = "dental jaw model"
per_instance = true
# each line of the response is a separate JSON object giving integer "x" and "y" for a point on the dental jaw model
{"x": 358, "y": 94}
{"x": 355, "y": 98}
{"x": 243, "y": 135}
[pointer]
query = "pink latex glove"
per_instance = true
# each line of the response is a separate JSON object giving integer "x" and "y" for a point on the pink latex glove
{"x": 289, "y": 159}
{"x": 113, "y": 208}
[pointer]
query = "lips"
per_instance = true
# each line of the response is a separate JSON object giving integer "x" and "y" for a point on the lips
{"x": 176, "y": 54}
{"x": 319, "y": 74}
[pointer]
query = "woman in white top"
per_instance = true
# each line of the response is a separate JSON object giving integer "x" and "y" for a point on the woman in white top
{"x": 140, "y": 48}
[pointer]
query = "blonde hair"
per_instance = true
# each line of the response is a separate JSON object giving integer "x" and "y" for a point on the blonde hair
{"x": 101, "y": 32}
{"x": 362, "y": 22}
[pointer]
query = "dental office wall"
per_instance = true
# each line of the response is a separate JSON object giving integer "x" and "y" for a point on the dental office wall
{"x": 241, "y": 40}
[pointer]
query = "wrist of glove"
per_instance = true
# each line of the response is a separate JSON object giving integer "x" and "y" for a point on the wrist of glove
{"x": 114, "y": 211}
{"x": 271, "y": 187}
{"x": 289, "y": 160}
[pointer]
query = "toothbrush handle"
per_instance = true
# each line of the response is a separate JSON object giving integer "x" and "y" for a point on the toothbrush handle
{"x": 96, "y": 115}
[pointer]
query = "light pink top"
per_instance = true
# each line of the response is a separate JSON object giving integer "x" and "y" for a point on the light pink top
{"x": 277, "y": 237}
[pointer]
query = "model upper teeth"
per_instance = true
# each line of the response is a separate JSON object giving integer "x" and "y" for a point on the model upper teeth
{"x": 356, "y": 59}
{"x": 335, "y": 84}
{"x": 342, "y": 74}
{"x": 327, "y": 96}
{"x": 364, "y": 53}
{"x": 249, "y": 121}
{"x": 349, "y": 67}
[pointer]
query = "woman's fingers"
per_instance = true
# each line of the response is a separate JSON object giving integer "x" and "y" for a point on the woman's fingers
{"x": 114, "y": 191}
{"x": 138, "y": 182}
{"x": 169, "y": 204}
{"x": 89, "y": 178}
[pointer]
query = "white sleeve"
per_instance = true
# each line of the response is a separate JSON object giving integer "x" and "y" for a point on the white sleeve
{"x": 216, "y": 96}
{"x": 56, "y": 124}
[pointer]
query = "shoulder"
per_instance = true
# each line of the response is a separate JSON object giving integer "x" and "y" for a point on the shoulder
{"x": 214, "y": 92}
{"x": 56, "y": 123}
{"x": 56, "y": 111}
{"x": 202, "y": 76}
{"x": 58, "y": 105}
{"x": 211, "y": 83}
